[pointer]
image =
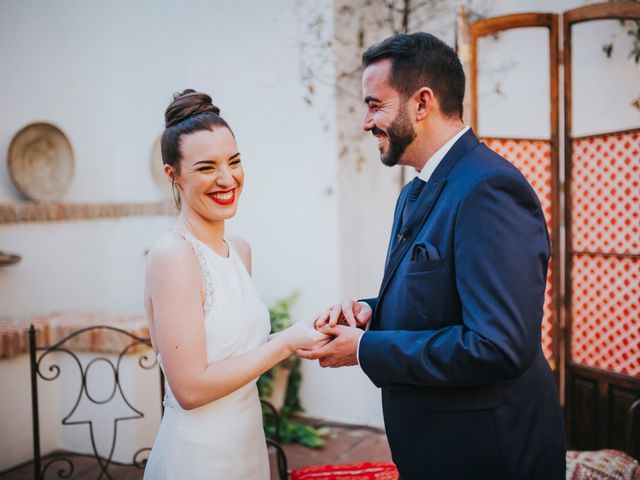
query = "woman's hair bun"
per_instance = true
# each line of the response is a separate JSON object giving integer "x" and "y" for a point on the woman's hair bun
{"x": 186, "y": 104}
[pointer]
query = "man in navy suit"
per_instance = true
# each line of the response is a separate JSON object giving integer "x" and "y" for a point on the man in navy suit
{"x": 453, "y": 337}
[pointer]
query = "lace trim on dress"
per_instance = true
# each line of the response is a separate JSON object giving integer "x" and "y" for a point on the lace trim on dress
{"x": 207, "y": 276}
{"x": 169, "y": 401}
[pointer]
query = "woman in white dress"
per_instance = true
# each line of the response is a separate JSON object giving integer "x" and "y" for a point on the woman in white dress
{"x": 208, "y": 325}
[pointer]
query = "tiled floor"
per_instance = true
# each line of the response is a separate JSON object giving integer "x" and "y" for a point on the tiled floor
{"x": 349, "y": 445}
{"x": 83, "y": 468}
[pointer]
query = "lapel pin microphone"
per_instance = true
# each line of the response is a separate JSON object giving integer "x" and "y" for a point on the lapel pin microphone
{"x": 404, "y": 234}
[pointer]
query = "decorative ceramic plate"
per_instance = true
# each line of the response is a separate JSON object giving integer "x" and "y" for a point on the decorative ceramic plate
{"x": 40, "y": 162}
{"x": 157, "y": 169}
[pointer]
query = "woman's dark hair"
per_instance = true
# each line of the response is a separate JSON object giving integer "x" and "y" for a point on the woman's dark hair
{"x": 189, "y": 112}
{"x": 422, "y": 60}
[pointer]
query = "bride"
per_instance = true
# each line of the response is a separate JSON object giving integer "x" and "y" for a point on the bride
{"x": 208, "y": 325}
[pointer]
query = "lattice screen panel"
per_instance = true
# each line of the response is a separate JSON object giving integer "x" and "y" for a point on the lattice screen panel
{"x": 533, "y": 159}
{"x": 605, "y": 239}
{"x": 606, "y": 313}
{"x": 605, "y": 194}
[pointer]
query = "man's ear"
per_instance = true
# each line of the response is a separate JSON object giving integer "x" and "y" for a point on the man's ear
{"x": 424, "y": 100}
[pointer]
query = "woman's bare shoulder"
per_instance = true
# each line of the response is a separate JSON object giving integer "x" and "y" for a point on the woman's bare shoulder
{"x": 240, "y": 243}
{"x": 170, "y": 249}
{"x": 243, "y": 248}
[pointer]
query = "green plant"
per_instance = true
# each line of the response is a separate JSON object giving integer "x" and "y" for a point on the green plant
{"x": 634, "y": 32}
{"x": 291, "y": 431}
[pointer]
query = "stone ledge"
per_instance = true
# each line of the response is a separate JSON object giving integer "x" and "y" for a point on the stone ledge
{"x": 53, "y": 327}
{"x": 54, "y": 212}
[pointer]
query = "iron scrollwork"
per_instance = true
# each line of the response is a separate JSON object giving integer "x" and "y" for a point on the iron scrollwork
{"x": 145, "y": 361}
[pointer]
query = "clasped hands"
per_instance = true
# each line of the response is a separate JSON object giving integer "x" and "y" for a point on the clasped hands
{"x": 344, "y": 324}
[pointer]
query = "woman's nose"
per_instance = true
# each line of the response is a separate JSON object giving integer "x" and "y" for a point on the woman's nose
{"x": 225, "y": 178}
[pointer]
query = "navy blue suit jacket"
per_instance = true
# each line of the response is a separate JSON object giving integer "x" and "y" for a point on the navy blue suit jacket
{"x": 454, "y": 342}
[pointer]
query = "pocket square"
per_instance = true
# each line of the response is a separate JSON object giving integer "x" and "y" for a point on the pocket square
{"x": 423, "y": 252}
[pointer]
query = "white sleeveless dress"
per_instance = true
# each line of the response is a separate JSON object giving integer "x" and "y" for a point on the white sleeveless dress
{"x": 224, "y": 439}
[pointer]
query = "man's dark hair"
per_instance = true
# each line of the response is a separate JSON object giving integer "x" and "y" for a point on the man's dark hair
{"x": 422, "y": 60}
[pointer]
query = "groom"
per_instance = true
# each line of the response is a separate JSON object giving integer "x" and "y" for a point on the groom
{"x": 453, "y": 337}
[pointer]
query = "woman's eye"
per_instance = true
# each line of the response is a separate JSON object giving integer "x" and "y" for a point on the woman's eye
{"x": 235, "y": 162}
{"x": 205, "y": 169}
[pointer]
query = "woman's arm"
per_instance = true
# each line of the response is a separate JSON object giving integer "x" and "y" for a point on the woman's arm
{"x": 174, "y": 284}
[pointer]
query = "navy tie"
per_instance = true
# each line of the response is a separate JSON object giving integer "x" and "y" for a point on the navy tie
{"x": 414, "y": 192}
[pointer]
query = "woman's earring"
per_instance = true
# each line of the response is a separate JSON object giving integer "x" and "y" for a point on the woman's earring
{"x": 175, "y": 193}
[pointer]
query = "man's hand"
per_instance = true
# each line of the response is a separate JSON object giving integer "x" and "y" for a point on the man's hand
{"x": 354, "y": 314}
{"x": 339, "y": 352}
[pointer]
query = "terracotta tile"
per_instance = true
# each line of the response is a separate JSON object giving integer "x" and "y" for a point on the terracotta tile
{"x": 350, "y": 445}
{"x": 54, "y": 326}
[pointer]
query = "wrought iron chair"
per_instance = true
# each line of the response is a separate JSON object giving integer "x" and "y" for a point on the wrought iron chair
{"x": 38, "y": 352}
{"x": 281, "y": 457}
{"x": 146, "y": 360}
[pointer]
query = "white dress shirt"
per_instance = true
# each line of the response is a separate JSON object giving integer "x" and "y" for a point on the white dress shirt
{"x": 425, "y": 174}
{"x": 436, "y": 158}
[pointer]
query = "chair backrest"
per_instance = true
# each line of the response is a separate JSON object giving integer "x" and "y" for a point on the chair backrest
{"x": 121, "y": 343}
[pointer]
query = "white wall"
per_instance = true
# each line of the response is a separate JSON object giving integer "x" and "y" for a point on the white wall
{"x": 85, "y": 265}
{"x": 16, "y": 445}
{"x": 104, "y": 72}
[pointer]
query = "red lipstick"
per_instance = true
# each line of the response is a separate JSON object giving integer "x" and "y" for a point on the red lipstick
{"x": 223, "y": 198}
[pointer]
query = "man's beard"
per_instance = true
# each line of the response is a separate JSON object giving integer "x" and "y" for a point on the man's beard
{"x": 401, "y": 134}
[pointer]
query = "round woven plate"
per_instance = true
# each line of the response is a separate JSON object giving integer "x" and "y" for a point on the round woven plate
{"x": 157, "y": 169}
{"x": 40, "y": 162}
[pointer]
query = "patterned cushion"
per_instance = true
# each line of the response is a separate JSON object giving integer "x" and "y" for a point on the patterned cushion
{"x": 601, "y": 465}
{"x": 355, "y": 471}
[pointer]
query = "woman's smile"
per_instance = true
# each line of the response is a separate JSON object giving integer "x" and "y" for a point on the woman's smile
{"x": 223, "y": 198}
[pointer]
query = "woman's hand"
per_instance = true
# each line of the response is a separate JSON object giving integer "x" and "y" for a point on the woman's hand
{"x": 303, "y": 336}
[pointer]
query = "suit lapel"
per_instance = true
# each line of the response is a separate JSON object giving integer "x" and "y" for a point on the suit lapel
{"x": 397, "y": 221}
{"x": 423, "y": 207}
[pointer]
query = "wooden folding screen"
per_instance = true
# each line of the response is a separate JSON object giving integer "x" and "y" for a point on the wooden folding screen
{"x": 597, "y": 351}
